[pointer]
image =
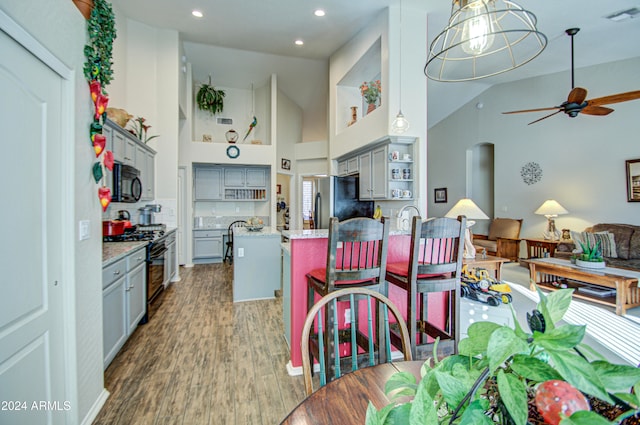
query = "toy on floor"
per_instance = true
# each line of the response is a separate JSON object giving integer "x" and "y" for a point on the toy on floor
{"x": 478, "y": 285}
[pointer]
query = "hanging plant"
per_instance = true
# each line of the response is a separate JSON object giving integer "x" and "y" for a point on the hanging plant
{"x": 98, "y": 73}
{"x": 210, "y": 99}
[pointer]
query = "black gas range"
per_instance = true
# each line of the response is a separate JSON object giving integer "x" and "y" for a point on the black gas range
{"x": 155, "y": 259}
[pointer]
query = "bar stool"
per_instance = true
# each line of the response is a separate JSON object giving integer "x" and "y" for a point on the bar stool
{"x": 356, "y": 257}
{"x": 435, "y": 264}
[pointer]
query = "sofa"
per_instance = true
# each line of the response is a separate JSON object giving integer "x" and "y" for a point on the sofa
{"x": 627, "y": 244}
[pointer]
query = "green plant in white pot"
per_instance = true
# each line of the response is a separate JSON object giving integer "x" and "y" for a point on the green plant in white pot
{"x": 509, "y": 376}
{"x": 591, "y": 257}
{"x": 210, "y": 99}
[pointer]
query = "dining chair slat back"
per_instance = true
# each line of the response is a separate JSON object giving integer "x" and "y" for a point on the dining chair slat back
{"x": 366, "y": 332}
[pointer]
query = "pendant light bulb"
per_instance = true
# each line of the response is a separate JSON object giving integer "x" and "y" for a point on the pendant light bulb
{"x": 478, "y": 28}
{"x": 400, "y": 124}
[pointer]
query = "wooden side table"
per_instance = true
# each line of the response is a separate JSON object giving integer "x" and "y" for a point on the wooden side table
{"x": 540, "y": 248}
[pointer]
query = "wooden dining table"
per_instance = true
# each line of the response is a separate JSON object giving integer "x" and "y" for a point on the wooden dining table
{"x": 344, "y": 401}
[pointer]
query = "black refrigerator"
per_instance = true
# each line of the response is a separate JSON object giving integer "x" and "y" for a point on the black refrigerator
{"x": 338, "y": 197}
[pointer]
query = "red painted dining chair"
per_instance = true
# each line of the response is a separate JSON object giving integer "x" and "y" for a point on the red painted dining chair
{"x": 340, "y": 350}
{"x": 434, "y": 266}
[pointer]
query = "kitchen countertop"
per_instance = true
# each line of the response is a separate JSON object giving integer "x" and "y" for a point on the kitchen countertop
{"x": 114, "y": 251}
{"x": 267, "y": 231}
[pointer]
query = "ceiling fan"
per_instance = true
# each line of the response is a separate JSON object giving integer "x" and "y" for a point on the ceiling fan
{"x": 576, "y": 103}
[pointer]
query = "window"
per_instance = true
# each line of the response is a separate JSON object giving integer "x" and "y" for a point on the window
{"x": 307, "y": 199}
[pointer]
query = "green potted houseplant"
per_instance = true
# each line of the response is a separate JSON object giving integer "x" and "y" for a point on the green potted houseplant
{"x": 591, "y": 257}
{"x": 210, "y": 99}
{"x": 509, "y": 376}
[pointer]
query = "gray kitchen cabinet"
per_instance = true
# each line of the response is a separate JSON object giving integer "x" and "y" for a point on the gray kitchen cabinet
{"x": 207, "y": 246}
{"x": 234, "y": 177}
{"x": 353, "y": 166}
{"x": 342, "y": 168}
{"x": 207, "y": 183}
{"x": 256, "y": 177}
{"x": 124, "y": 149}
{"x": 373, "y": 176}
{"x": 124, "y": 301}
{"x": 145, "y": 164}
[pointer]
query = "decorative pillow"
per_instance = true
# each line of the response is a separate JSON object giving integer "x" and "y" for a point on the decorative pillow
{"x": 606, "y": 239}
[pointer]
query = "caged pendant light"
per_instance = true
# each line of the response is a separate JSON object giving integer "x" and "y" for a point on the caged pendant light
{"x": 484, "y": 38}
{"x": 400, "y": 124}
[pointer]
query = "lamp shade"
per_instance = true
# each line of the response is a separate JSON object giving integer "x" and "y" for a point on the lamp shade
{"x": 468, "y": 208}
{"x": 551, "y": 207}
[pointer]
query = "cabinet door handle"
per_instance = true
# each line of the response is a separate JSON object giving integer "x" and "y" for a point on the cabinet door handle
{"x": 116, "y": 273}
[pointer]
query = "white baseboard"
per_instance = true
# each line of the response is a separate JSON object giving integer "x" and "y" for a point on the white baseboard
{"x": 92, "y": 414}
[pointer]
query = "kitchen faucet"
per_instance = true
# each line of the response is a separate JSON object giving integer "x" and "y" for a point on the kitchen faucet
{"x": 403, "y": 223}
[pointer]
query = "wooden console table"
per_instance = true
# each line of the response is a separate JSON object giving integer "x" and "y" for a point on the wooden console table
{"x": 546, "y": 271}
{"x": 489, "y": 262}
{"x": 537, "y": 248}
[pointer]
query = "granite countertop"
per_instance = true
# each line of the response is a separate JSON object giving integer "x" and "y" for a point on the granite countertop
{"x": 267, "y": 231}
{"x": 114, "y": 251}
{"x": 324, "y": 233}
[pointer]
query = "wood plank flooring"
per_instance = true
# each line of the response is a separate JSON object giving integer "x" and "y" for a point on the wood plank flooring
{"x": 202, "y": 359}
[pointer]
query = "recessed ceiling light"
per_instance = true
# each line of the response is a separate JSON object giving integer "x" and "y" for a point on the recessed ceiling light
{"x": 299, "y": 42}
{"x": 197, "y": 14}
{"x": 319, "y": 12}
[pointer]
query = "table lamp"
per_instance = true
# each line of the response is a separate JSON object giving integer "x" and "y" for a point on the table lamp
{"x": 469, "y": 209}
{"x": 551, "y": 209}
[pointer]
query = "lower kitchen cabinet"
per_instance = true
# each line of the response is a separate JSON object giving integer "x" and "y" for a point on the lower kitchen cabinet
{"x": 207, "y": 246}
{"x": 124, "y": 301}
{"x": 170, "y": 259}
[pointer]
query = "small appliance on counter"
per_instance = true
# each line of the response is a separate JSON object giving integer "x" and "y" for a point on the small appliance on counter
{"x": 146, "y": 213}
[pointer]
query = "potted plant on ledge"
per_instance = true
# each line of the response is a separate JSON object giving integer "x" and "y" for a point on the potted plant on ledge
{"x": 510, "y": 376}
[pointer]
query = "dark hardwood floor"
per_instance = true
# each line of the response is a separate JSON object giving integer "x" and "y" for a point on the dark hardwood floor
{"x": 202, "y": 359}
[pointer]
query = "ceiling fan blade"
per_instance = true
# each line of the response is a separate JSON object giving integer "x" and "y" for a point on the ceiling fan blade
{"x": 577, "y": 95}
{"x": 544, "y": 118}
{"x": 533, "y": 110}
{"x": 596, "y": 110}
{"x": 614, "y": 98}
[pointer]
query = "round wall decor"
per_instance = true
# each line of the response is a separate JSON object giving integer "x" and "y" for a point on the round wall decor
{"x": 233, "y": 152}
{"x": 531, "y": 173}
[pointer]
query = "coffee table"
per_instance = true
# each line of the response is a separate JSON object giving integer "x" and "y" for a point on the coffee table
{"x": 489, "y": 262}
{"x": 546, "y": 271}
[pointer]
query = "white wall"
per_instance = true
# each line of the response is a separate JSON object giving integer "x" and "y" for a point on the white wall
{"x": 60, "y": 27}
{"x": 582, "y": 158}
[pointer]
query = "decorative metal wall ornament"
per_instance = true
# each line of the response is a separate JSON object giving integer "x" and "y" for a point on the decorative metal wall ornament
{"x": 531, "y": 173}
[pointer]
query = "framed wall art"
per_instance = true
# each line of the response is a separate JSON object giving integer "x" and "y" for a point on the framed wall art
{"x": 633, "y": 180}
{"x": 286, "y": 164}
{"x": 440, "y": 195}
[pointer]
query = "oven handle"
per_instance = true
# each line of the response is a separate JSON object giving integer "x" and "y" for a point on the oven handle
{"x": 157, "y": 254}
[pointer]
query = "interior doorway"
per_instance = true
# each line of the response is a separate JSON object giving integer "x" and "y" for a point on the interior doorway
{"x": 283, "y": 201}
{"x": 480, "y": 181}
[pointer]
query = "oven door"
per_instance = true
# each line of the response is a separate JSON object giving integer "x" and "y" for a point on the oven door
{"x": 155, "y": 270}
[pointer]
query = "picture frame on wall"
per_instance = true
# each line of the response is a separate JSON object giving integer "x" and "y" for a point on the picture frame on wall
{"x": 440, "y": 195}
{"x": 278, "y": 189}
{"x": 633, "y": 180}
{"x": 286, "y": 164}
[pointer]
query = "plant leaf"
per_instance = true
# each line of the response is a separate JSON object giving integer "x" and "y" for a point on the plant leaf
{"x": 402, "y": 384}
{"x": 514, "y": 396}
{"x": 579, "y": 373}
{"x": 453, "y": 389}
{"x": 503, "y": 344}
{"x": 474, "y": 414}
{"x": 476, "y": 342}
{"x": 533, "y": 368}
{"x": 561, "y": 338}
{"x": 585, "y": 417}
{"x": 617, "y": 378}
{"x": 423, "y": 410}
{"x": 373, "y": 418}
{"x": 399, "y": 415}
{"x": 518, "y": 329}
{"x": 558, "y": 303}
{"x": 542, "y": 308}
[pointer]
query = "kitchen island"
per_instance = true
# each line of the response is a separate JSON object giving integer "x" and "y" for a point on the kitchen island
{"x": 256, "y": 263}
{"x": 307, "y": 250}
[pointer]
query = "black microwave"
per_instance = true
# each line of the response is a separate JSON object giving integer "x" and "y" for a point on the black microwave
{"x": 127, "y": 186}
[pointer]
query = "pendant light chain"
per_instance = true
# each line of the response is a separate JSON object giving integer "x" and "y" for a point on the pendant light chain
{"x": 400, "y": 124}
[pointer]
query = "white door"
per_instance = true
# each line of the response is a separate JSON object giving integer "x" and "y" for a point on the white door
{"x": 32, "y": 366}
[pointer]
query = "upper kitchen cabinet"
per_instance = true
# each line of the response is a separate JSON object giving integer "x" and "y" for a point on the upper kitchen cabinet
{"x": 207, "y": 183}
{"x": 234, "y": 183}
{"x": 127, "y": 149}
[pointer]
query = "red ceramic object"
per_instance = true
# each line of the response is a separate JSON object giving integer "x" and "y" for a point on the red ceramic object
{"x": 555, "y": 397}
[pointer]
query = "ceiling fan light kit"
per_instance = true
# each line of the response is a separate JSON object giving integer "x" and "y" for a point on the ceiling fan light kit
{"x": 576, "y": 102}
{"x": 484, "y": 38}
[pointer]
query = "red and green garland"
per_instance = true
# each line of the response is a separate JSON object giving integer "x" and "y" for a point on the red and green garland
{"x": 98, "y": 72}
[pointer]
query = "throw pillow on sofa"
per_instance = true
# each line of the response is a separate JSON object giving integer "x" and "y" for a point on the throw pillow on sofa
{"x": 606, "y": 239}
